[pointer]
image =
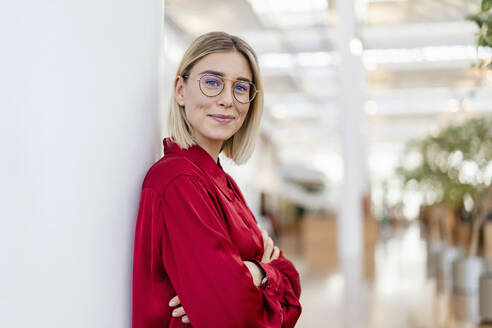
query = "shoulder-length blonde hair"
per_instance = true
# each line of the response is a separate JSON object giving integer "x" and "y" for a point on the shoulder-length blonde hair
{"x": 240, "y": 146}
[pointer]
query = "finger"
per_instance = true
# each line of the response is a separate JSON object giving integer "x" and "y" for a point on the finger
{"x": 174, "y": 301}
{"x": 275, "y": 254}
{"x": 265, "y": 237}
{"x": 179, "y": 312}
{"x": 185, "y": 319}
{"x": 267, "y": 252}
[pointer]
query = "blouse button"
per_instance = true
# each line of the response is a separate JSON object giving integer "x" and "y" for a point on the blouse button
{"x": 268, "y": 286}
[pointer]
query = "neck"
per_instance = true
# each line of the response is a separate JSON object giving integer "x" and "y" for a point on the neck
{"x": 212, "y": 147}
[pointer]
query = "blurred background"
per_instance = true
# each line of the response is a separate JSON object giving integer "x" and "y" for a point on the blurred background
{"x": 375, "y": 152}
{"x": 372, "y": 171}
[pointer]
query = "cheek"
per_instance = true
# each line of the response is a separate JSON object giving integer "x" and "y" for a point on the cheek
{"x": 194, "y": 100}
{"x": 196, "y": 112}
{"x": 200, "y": 107}
{"x": 196, "y": 109}
{"x": 243, "y": 112}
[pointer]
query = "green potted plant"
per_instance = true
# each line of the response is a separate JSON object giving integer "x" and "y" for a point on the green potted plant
{"x": 452, "y": 169}
{"x": 452, "y": 166}
{"x": 483, "y": 19}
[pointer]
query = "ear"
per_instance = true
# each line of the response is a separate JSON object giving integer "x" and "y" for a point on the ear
{"x": 179, "y": 90}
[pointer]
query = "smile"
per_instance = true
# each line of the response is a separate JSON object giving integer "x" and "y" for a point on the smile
{"x": 223, "y": 119}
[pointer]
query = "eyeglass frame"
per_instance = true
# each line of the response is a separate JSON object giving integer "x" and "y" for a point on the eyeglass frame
{"x": 185, "y": 76}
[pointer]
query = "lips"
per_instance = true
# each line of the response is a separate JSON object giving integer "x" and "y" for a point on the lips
{"x": 220, "y": 118}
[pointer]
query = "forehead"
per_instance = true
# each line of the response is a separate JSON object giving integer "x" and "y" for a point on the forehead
{"x": 232, "y": 65}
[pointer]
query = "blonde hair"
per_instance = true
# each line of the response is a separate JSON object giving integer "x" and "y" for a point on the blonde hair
{"x": 240, "y": 146}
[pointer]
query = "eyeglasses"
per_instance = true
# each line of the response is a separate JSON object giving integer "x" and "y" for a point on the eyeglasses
{"x": 212, "y": 85}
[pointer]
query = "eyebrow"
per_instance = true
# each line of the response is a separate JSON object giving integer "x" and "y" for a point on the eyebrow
{"x": 240, "y": 78}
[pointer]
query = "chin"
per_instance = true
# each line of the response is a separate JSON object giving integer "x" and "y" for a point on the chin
{"x": 220, "y": 136}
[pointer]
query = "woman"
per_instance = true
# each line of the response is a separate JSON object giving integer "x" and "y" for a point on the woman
{"x": 199, "y": 256}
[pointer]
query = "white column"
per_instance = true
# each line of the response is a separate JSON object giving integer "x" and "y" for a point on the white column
{"x": 351, "y": 105}
{"x": 350, "y": 224}
{"x": 78, "y": 130}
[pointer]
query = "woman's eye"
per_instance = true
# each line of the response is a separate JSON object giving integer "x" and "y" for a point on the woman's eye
{"x": 242, "y": 87}
{"x": 212, "y": 82}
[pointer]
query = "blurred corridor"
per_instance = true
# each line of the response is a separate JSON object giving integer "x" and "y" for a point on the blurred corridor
{"x": 397, "y": 295}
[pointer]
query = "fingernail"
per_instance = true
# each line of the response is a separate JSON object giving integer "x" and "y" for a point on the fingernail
{"x": 175, "y": 314}
{"x": 172, "y": 303}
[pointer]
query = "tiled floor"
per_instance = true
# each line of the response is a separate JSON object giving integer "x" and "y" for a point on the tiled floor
{"x": 400, "y": 295}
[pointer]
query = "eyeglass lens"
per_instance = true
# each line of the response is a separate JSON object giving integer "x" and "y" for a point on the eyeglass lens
{"x": 212, "y": 85}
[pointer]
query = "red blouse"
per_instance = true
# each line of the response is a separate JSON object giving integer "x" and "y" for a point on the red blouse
{"x": 193, "y": 232}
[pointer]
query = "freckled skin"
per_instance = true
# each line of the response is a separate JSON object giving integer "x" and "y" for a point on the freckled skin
{"x": 209, "y": 133}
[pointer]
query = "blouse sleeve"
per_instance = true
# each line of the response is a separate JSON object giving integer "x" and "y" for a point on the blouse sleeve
{"x": 151, "y": 292}
{"x": 283, "y": 277}
{"x": 214, "y": 285}
{"x": 283, "y": 282}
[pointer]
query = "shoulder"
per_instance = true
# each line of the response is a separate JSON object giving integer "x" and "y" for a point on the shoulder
{"x": 170, "y": 168}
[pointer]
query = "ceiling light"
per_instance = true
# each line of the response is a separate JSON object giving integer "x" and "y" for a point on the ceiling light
{"x": 292, "y": 6}
{"x": 277, "y": 60}
{"x": 290, "y": 13}
{"x": 422, "y": 54}
{"x": 356, "y": 47}
{"x": 371, "y": 107}
{"x": 317, "y": 59}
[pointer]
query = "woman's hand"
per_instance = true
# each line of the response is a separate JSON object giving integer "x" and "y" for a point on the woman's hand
{"x": 270, "y": 251}
{"x": 179, "y": 312}
{"x": 256, "y": 272}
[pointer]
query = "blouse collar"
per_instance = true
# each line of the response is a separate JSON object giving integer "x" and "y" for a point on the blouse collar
{"x": 204, "y": 161}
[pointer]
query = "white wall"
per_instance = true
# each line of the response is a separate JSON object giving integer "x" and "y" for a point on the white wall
{"x": 175, "y": 44}
{"x": 78, "y": 130}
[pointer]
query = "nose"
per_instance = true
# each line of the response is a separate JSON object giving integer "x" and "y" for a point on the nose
{"x": 226, "y": 97}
